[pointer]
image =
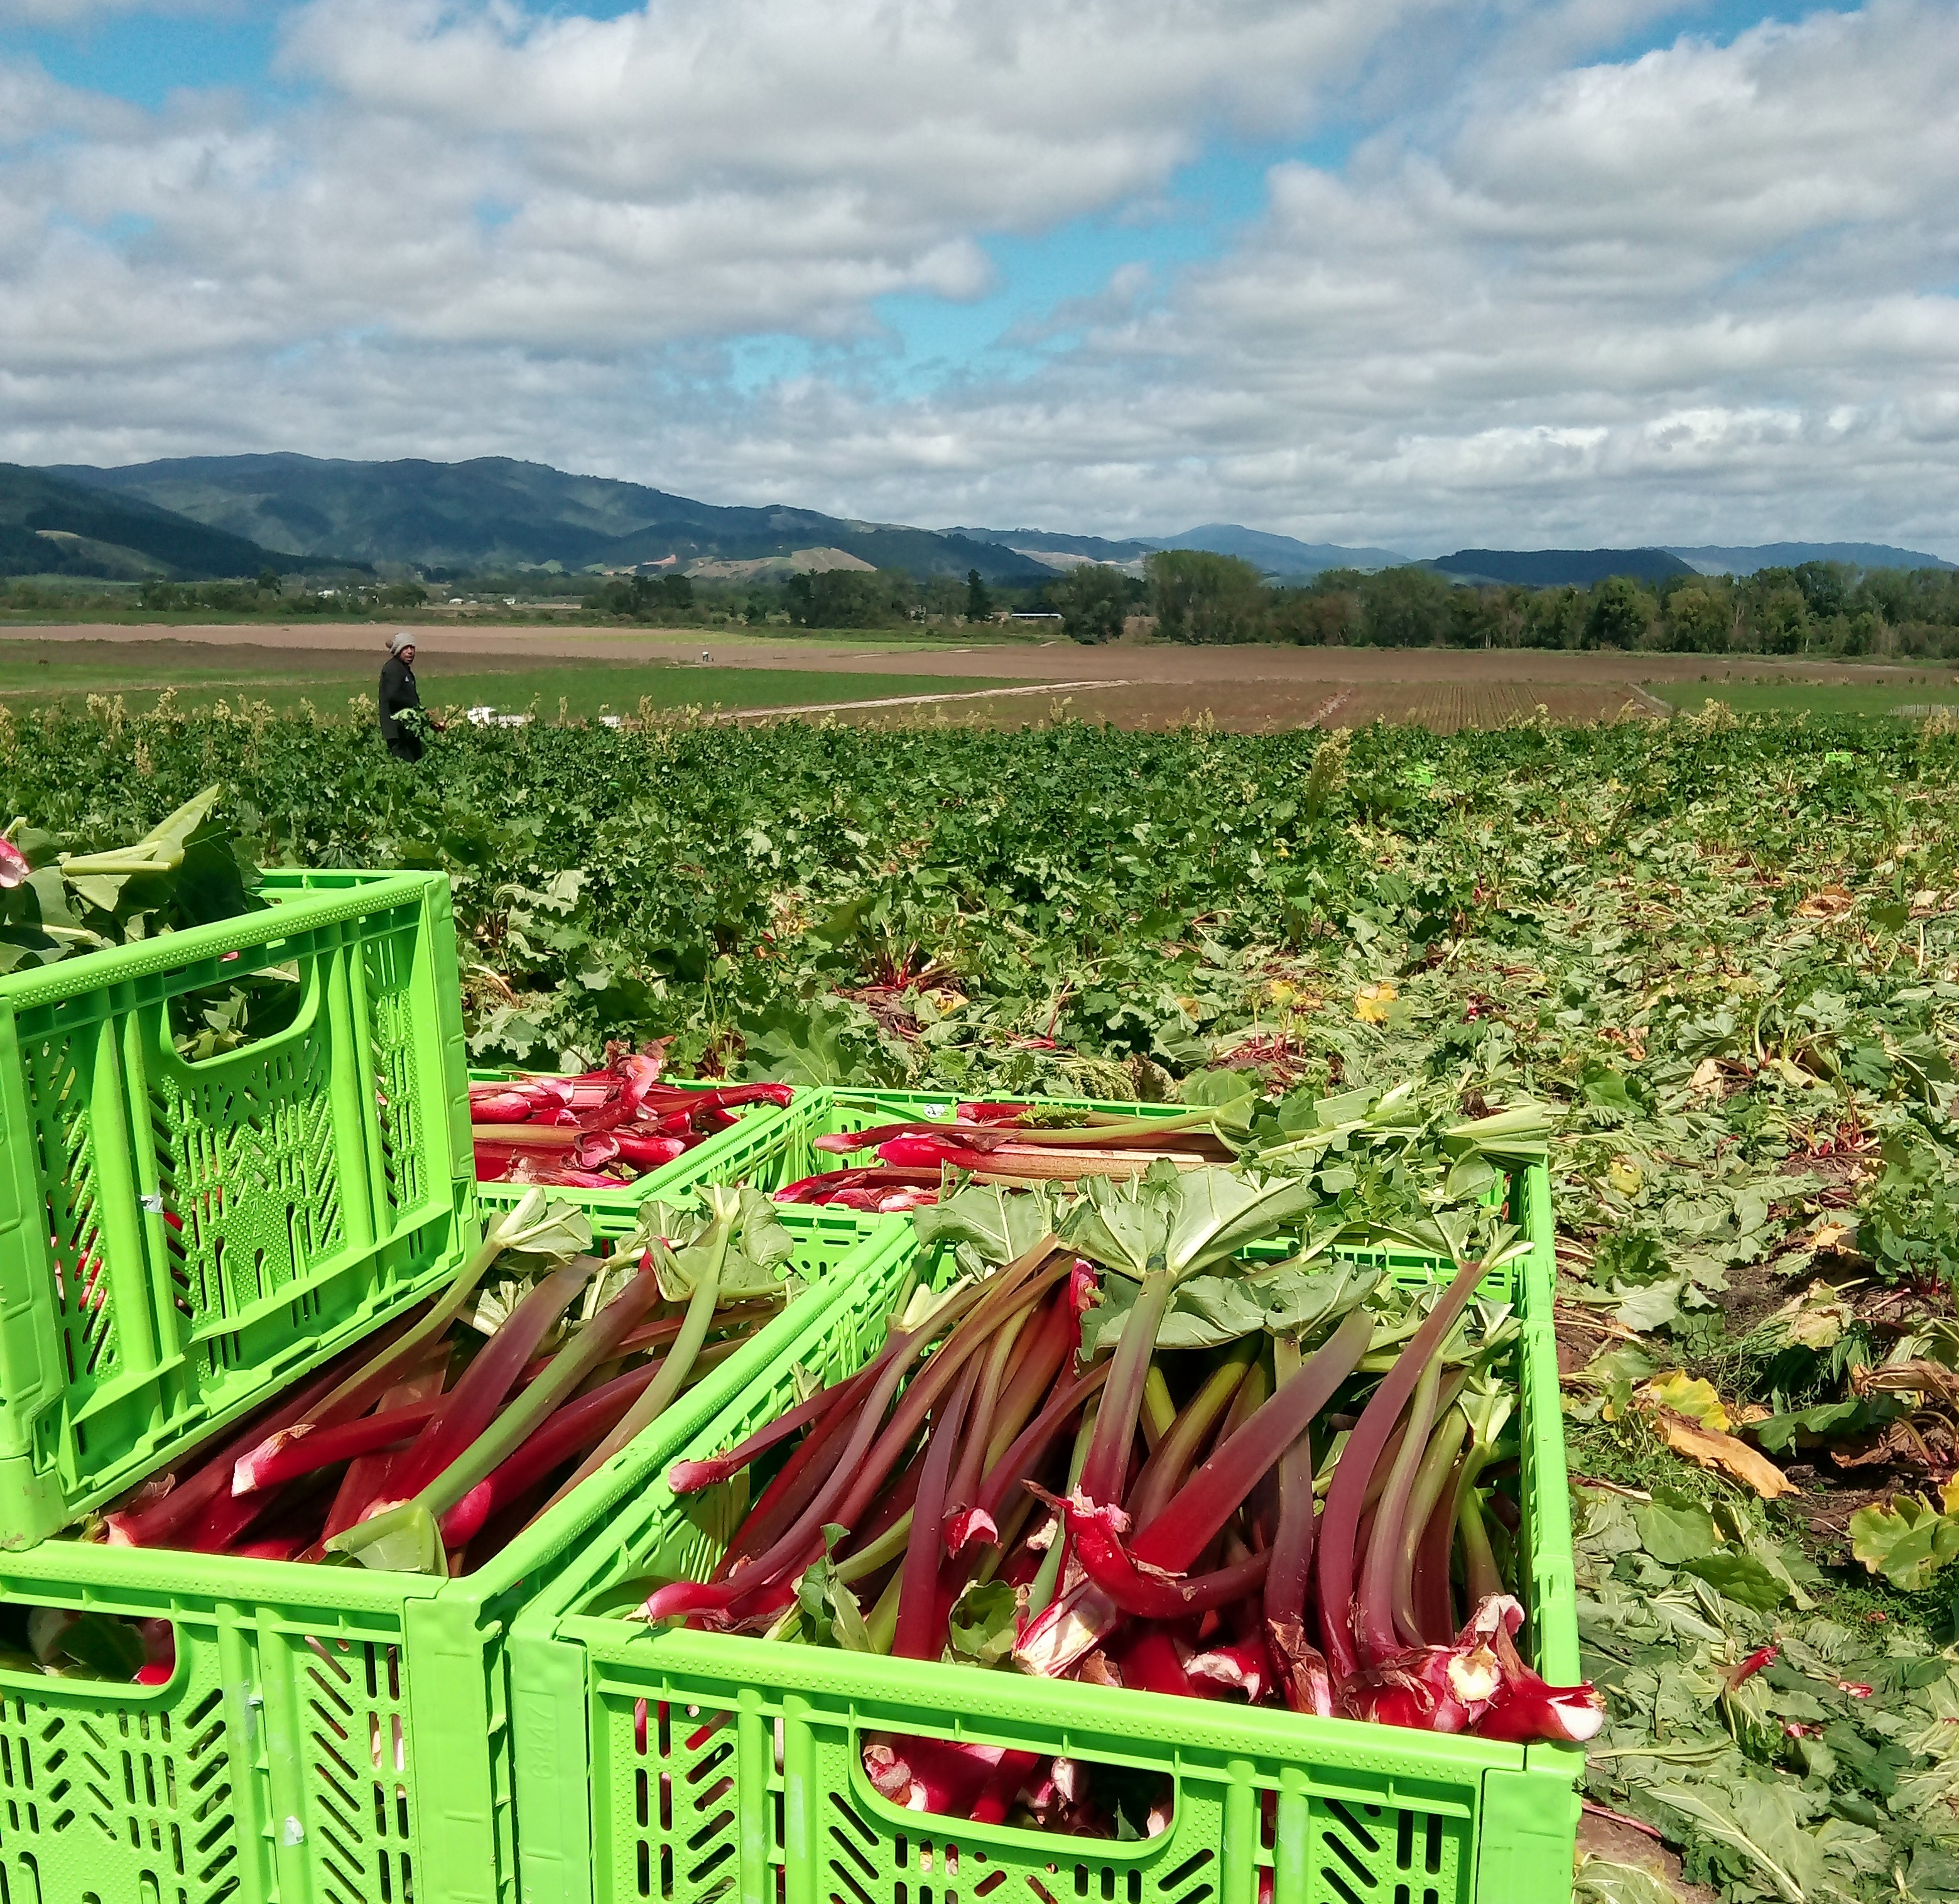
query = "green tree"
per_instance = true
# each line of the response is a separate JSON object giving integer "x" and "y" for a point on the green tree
{"x": 1315, "y": 617}
{"x": 1409, "y": 607}
{"x": 676, "y": 593}
{"x": 979, "y": 603}
{"x": 1200, "y": 597}
{"x": 1696, "y": 620}
{"x": 1094, "y": 601}
{"x": 1620, "y": 613}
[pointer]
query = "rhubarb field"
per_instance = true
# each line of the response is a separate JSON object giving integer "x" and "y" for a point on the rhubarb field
{"x": 1725, "y": 955}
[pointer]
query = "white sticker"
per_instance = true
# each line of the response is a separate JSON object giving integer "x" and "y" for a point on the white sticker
{"x": 154, "y": 1205}
{"x": 937, "y": 1110}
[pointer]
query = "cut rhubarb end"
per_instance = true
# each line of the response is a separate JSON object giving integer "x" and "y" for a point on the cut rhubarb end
{"x": 1533, "y": 1712}
{"x": 680, "y": 1598}
{"x": 1245, "y": 1667}
{"x": 976, "y": 1523}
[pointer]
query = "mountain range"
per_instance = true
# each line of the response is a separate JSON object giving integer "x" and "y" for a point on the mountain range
{"x": 50, "y": 527}
{"x": 192, "y": 517}
{"x": 493, "y": 513}
{"x": 1279, "y": 556}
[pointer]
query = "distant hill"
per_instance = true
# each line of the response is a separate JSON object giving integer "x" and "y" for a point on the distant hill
{"x": 1280, "y": 556}
{"x": 50, "y": 526}
{"x": 1062, "y": 551}
{"x": 494, "y": 513}
{"x": 1558, "y": 568}
{"x": 1746, "y": 562}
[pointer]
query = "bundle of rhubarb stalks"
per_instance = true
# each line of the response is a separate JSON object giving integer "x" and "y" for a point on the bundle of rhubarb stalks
{"x": 1017, "y": 1144}
{"x": 1115, "y": 1448}
{"x": 437, "y": 1442}
{"x": 603, "y": 1128}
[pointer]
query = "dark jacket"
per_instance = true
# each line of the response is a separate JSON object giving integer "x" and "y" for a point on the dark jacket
{"x": 398, "y": 692}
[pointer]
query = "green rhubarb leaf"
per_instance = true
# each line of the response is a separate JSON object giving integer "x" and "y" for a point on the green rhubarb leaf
{"x": 1745, "y": 1578}
{"x": 983, "y": 1622}
{"x": 1181, "y": 1222}
{"x": 1907, "y": 1540}
{"x": 1826, "y": 1421}
{"x": 1675, "y": 1528}
{"x": 999, "y": 1224}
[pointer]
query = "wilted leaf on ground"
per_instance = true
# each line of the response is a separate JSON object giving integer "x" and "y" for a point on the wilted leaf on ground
{"x": 1734, "y": 1458}
{"x": 1691, "y": 1397}
{"x": 1602, "y": 1881}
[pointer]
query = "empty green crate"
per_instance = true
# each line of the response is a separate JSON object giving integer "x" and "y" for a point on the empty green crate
{"x": 332, "y": 1735}
{"x": 719, "y": 1766}
{"x": 177, "y": 1241}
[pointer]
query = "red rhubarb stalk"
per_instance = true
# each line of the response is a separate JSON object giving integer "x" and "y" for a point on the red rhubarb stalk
{"x": 366, "y": 1479}
{"x": 964, "y": 1483}
{"x": 304, "y": 1449}
{"x": 1374, "y": 1622}
{"x": 154, "y": 1524}
{"x": 572, "y": 1429}
{"x": 1146, "y": 1592}
{"x": 1291, "y": 1571}
{"x": 1340, "y": 1524}
{"x": 867, "y": 1458}
{"x": 916, "y": 1637}
{"x": 1431, "y": 1479}
{"x": 469, "y": 1408}
{"x": 1187, "y": 1526}
{"x": 1024, "y": 1455}
{"x": 1169, "y": 1467}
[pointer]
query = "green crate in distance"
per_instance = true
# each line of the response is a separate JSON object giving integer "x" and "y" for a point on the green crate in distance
{"x": 739, "y": 1155}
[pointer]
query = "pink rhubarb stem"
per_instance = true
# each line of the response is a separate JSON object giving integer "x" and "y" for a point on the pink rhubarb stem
{"x": 1374, "y": 1625}
{"x": 1175, "y": 1539}
{"x": 918, "y": 1600}
{"x": 1340, "y": 1524}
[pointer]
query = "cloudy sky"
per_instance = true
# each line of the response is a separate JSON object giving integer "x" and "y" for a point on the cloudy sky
{"x": 1417, "y": 273}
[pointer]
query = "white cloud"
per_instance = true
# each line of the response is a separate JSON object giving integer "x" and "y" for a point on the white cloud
{"x": 1704, "y": 294}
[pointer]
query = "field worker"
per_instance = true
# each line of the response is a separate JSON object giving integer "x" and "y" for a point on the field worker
{"x": 399, "y": 693}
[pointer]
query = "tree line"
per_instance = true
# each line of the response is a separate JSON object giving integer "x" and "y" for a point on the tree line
{"x": 1815, "y": 608}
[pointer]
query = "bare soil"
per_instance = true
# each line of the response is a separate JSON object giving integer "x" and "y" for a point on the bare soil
{"x": 1136, "y": 684}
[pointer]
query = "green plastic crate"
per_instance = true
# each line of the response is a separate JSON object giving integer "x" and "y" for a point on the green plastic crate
{"x": 332, "y": 1735}
{"x": 316, "y": 1177}
{"x": 725, "y": 1767}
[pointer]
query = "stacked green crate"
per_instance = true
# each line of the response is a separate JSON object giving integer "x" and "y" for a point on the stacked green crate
{"x": 330, "y": 1735}
{"x": 180, "y": 1243}
{"x": 717, "y": 1765}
